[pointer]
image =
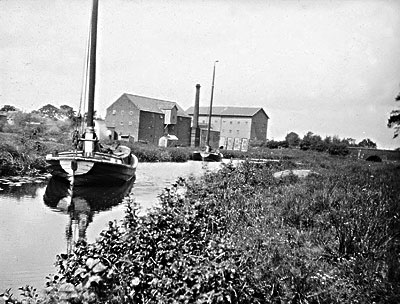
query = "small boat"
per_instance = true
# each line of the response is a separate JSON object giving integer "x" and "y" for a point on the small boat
{"x": 209, "y": 155}
{"x": 88, "y": 163}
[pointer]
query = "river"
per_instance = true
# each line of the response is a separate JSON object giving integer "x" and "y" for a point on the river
{"x": 35, "y": 225}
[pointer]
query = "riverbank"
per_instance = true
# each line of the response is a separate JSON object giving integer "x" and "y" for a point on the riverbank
{"x": 241, "y": 236}
{"x": 22, "y": 155}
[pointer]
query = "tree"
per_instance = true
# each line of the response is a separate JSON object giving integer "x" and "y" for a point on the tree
{"x": 67, "y": 111}
{"x": 394, "y": 119}
{"x": 313, "y": 142}
{"x": 367, "y": 143}
{"x": 49, "y": 111}
{"x": 292, "y": 139}
{"x": 8, "y": 108}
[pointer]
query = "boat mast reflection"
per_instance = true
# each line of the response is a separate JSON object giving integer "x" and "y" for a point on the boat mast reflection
{"x": 81, "y": 203}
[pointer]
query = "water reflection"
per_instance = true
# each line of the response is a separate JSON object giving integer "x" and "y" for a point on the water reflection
{"x": 81, "y": 203}
{"x": 34, "y": 223}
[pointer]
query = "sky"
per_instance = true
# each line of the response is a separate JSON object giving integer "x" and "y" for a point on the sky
{"x": 329, "y": 67}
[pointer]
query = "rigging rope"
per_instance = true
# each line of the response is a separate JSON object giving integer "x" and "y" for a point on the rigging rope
{"x": 84, "y": 88}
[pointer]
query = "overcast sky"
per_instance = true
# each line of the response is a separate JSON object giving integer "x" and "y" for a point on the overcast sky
{"x": 330, "y": 67}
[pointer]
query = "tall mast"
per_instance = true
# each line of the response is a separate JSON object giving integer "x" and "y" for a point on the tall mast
{"x": 211, "y": 104}
{"x": 92, "y": 63}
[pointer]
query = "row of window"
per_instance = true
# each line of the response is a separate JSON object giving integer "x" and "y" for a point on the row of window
{"x": 122, "y": 112}
{"x": 122, "y": 123}
{"x": 230, "y": 131}
{"x": 224, "y": 121}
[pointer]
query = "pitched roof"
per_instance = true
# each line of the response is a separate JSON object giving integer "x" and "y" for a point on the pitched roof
{"x": 154, "y": 105}
{"x": 228, "y": 111}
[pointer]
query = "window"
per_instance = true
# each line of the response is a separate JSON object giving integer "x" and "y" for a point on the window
{"x": 121, "y": 123}
{"x": 130, "y": 123}
{"x": 230, "y": 131}
{"x": 114, "y": 112}
{"x": 237, "y": 131}
{"x": 216, "y": 121}
{"x": 238, "y": 122}
{"x": 130, "y": 112}
{"x": 230, "y": 122}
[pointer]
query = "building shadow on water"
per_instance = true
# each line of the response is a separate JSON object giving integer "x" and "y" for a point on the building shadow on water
{"x": 81, "y": 204}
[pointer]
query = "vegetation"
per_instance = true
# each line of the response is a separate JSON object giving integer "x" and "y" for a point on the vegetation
{"x": 394, "y": 119}
{"x": 310, "y": 141}
{"x": 22, "y": 155}
{"x": 241, "y": 236}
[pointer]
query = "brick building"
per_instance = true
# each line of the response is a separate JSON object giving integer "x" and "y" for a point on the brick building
{"x": 148, "y": 119}
{"x": 237, "y": 125}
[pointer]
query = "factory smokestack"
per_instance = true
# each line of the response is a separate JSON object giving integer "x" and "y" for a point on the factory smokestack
{"x": 195, "y": 136}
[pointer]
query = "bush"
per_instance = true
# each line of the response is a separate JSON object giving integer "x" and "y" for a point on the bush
{"x": 179, "y": 154}
{"x": 338, "y": 149}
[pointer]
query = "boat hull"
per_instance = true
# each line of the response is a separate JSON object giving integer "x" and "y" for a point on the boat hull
{"x": 207, "y": 156}
{"x": 82, "y": 171}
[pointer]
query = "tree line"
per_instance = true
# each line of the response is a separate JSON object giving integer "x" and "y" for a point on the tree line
{"x": 310, "y": 141}
{"x": 48, "y": 120}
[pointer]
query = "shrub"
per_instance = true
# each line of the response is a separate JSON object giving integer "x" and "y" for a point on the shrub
{"x": 179, "y": 154}
{"x": 338, "y": 149}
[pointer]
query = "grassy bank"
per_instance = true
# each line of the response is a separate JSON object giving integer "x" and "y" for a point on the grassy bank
{"x": 241, "y": 236}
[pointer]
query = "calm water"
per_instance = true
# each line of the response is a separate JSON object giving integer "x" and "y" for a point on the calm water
{"x": 35, "y": 223}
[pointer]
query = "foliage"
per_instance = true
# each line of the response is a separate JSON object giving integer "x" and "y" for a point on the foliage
{"x": 35, "y": 125}
{"x": 49, "y": 111}
{"x": 367, "y": 143}
{"x": 152, "y": 153}
{"x": 22, "y": 155}
{"x": 338, "y": 149}
{"x": 67, "y": 111}
{"x": 272, "y": 144}
{"x": 394, "y": 119}
{"x": 8, "y": 108}
{"x": 178, "y": 154}
{"x": 293, "y": 139}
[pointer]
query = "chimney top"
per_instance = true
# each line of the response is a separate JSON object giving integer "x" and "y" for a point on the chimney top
{"x": 197, "y": 85}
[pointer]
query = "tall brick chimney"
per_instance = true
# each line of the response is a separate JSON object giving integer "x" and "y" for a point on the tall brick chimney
{"x": 195, "y": 134}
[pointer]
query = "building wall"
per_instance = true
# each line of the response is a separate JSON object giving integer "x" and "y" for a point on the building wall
{"x": 229, "y": 126}
{"x": 259, "y": 126}
{"x": 215, "y": 122}
{"x": 239, "y": 127}
{"x": 123, "y": 116}
{"x": 151, "y": 127}
{"x": 183, "y": 131}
